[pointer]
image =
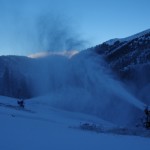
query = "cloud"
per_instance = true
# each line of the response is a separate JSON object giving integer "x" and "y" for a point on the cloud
{"x": 67, "y": 54}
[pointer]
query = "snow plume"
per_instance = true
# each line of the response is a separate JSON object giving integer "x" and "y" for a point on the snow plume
{"x": 83, "y": 84}
{"x": 55, "y": 33}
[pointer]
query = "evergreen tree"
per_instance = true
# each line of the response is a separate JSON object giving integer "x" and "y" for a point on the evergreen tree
{"x": 23, "y": 89}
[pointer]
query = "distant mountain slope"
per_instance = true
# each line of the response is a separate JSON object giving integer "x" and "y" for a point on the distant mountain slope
{"x": 130, "y": 59}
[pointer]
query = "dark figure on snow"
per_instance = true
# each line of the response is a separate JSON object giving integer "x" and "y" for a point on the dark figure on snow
{"x": 21, "y": 103}
{"x": 147, "y": 113}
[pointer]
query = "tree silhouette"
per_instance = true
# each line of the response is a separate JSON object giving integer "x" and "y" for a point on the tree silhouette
{"x": 7, "y": 83}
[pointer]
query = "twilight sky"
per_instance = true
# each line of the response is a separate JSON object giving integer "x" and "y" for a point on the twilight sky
{"x": 29, "y": 26}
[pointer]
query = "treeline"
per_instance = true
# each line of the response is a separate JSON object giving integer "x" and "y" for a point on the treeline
{"x": 14, "y": 84}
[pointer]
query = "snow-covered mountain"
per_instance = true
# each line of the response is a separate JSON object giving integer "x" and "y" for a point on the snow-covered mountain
{"x": 131, "y": 50}
{"x": 82, "y": 82}
{"x": 130, "y": 59}
{"x": 68, "y": 93}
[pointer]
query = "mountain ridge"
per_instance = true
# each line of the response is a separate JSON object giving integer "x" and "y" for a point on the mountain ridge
{"x": 129, "y": 58}
{"x": 129, "y": 38}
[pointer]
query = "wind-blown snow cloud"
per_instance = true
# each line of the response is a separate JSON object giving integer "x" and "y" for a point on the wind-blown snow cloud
{"x": 83, "y": 84}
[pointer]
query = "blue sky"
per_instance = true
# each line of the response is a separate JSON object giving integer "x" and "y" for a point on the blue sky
{"x": 94, "y": 21}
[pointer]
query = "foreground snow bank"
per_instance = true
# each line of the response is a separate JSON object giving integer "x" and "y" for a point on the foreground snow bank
{"x": 18, "y": 133}
{"x": 49, "y": 128}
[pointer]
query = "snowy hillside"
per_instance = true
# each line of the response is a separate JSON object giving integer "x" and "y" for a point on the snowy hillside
{"x": 76, "y": 84}
{"x": 129, "y": 58}
{"x": 70, "y": 97}
{"x": 40, "y": 126}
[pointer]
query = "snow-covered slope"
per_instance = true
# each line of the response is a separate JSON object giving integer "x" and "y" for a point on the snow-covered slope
{"x": 44, "y": 127}
{"x": 77, "y": 84}
{"x": 129, "y": 58}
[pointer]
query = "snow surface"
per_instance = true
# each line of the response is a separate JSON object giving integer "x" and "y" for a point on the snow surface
{"x": 49, "y": 128}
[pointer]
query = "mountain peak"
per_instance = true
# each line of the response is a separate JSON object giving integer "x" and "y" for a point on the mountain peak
{"x": 129, "y": 58}
{"x": 127, "y": 39}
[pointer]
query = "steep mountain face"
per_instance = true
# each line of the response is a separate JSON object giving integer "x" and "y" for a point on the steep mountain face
{"x": 130, "y": 59}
